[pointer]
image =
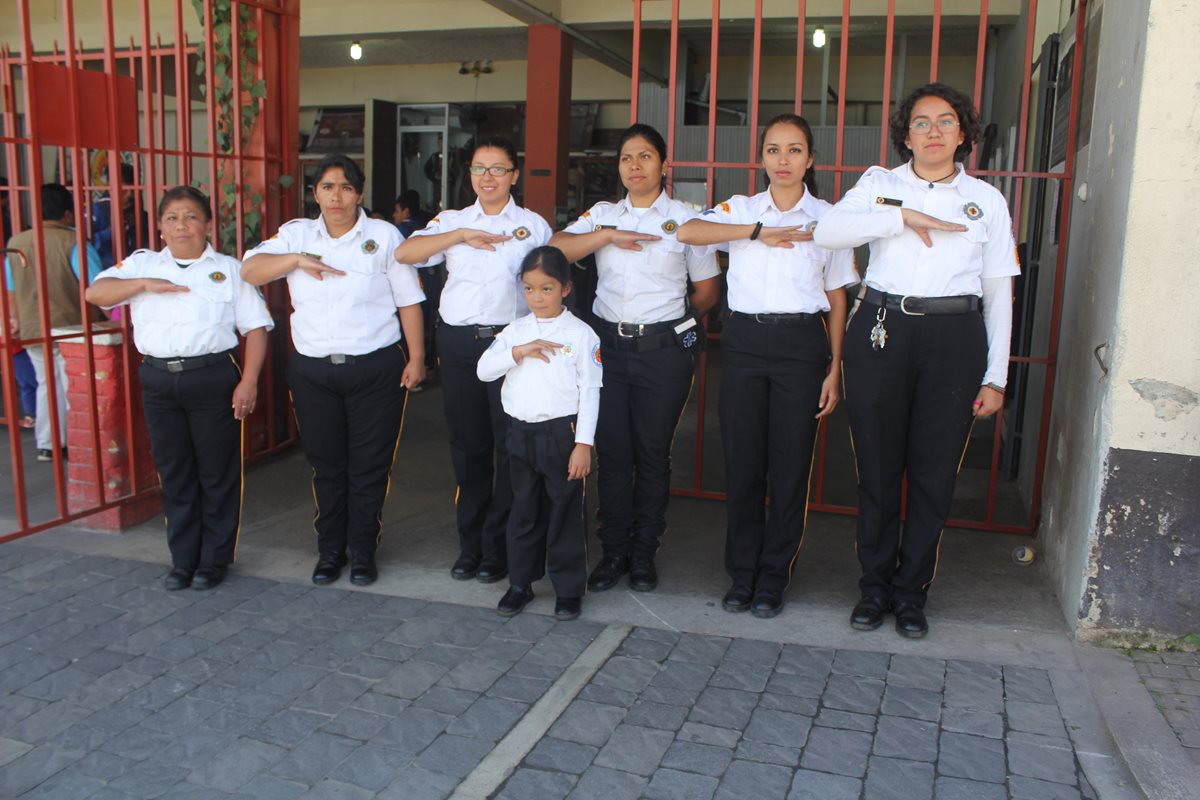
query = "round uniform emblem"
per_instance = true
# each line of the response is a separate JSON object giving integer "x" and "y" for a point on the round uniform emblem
{"x": 217, "y": 277}
{"x": 670, "y": 226}
{"x": 520, "y": 234}
{"x": 568, "y": 350}
{"x": 369, "y": 247}
{"x": 973, "y": 211}
{"x": 596, "y": 355}
{"x": 689, "y": 340}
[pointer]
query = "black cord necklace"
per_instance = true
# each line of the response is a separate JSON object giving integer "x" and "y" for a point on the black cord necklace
{"x": 939, "y": 180}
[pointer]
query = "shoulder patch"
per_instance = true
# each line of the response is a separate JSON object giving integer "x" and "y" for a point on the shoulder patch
{"x": 724, "y": 207}
{"x": 586, "y": 214}
{"x": 596, "y": 357}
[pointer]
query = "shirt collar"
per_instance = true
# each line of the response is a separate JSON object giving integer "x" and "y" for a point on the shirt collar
{"x": 807, "y": 203}
{"x": 359, "y": 228}
{"x": 909, "y": 174}
{"x": 475, "y": 210}
{"x": 661, "y": 204}
{"x": 208, "y": 255}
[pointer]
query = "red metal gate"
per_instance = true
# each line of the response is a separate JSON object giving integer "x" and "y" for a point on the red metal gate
{"x": 1022, "y": 504}
{"x": 203, "y": 93}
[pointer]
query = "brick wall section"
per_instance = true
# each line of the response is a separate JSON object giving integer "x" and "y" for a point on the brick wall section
{"x": 117, "y": 464}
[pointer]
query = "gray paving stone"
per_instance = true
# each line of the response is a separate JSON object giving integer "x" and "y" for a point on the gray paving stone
{"x": 237, "y": 764}
{"x": 66, "y": 785}
{"x": 47, "y": 722}
{"x": 446, "y": 700}
{"x": 861, "y": 663}
{"x": 643, "y": 648}
{"x": 559, "y": 754}
{"x": 846, "y": 720}
{"x": 960, "y": 789}
{"x": 635, "y": 749}
{"x": 778, "y": 727}
{"x": 976, "y": 723}
{"x": 289, "y": 727}
{"x": 724, "y": 708}
{"x": 415, "y": 783}
{"x": 801, "y": 660}
{"x": 608, "y": 696}
{"x": 587, "y": 723}
{"x": 523, "y": 690}
{"x": 656, "y": 715}
{"x": 137, "y": 743}
{"x": 182, "y": 714}
{"x": 101, "y": 765}
{"x": 975, "y": 757}
{"x": 526, "y": 627}
{"x": 753, "y": 651}
{"x": 474, "y": 675}
{"x": 917, "y": 672}
{"x": 837, "y": 751}
{"x": 810, "y": 785}
{"x": 192, "y": 748}
{"x": 702, "y": 759}
{"x": 150, "y": 779}
{"x": 900, "y": 737}
{"x": 1040, "y": 718}
{"x": 669, "y": 784}
{"x": 979, "y": 668}
{"x": 683, "y": 675}
{"x": 1043, "y": 757}
{"x": 381, "y": 704}
{"x": 371, "y": 767}
{"x": 411, "y": 679}
{"x": 762, "y": 752}
{"x": 796, "y": 685}
{"x": 159, "y": 692}
{"x": 629, "y": 674}
{"x": 807, "y": 706}
{"x": 354, "y": 723}
{"x": 1022, "y": 788}
{"x": 268, "y": 787}
{"x": 748, "y": 779}
{"x": 697, "y": 649}
{"x": 906, "y": 701}
{"x": 973, "y": 691}
{"x": 332, "y": 694}
{"x": 455, "y": 756}
{"x": 14, "y": 708}
{"x": 315, "y": 757}
{"x": 898, "y": 779}
{"x": 669, "y": 696}
{"x": 557, "y": 651}
{"x": 534, "y": 784}
{"x": 743, "y": 676}
{"x": 83, "y": 738}
{"x": 58, "y": 685}
{"x": 1028, "y": 684}
{"x": 601, "y": 783}
{"x": 336, "y": 790}
{"x": 707, "y": 734}
{"x": 489, "y": 718}
{"x": 413, "y": 729}
{"x": 846, "y": 693}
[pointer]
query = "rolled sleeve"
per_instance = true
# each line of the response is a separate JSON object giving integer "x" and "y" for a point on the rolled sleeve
{"x": 250, "y": 310}
{"x": 840, "y": 271}
{"x": 857, "y": 219}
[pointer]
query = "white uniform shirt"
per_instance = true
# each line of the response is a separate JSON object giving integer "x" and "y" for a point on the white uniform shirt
{"x": 957, "y": 264}
{"x": 535, "y": 391}
{"x": 351, "y": 314}
{"x": 650, "y": 285}
{"x": 483, "y": 287}
{"x": 780, "y": 280}
{"x": 205, "y": 319}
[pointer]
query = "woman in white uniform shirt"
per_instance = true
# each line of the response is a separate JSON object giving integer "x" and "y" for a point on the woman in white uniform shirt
{"x": 921, "y": 361}
{"x": 349, "y": 374}
{"x": 188, "y": 305}
{"x": 780, "y": 366}
{"x": 649, "y": 327}
{"x": 483, "y": 246}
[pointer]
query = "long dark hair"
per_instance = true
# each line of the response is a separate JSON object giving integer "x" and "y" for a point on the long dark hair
{"x": 968, "y": 119}
{"x": 810, "y": 174}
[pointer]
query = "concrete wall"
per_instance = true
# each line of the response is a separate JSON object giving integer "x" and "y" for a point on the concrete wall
{"x": 1119, "y": 526}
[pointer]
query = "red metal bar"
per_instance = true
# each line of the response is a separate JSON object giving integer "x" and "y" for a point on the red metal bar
{"x": 672, "y": 71}
{"x": 29, "y": 530}
{"x": 236, "y": 80}
{"x": 980, "y": 61}
{"x": 801, "y": 44}
{"x": 634, "y": 91}
{"x": 843, "y": 68}
{"x": 886, "y": 112}
{"x": 210, "y": 114}
{"x": 183, "y": 104}
{"x": 937, "y": 40}
{"x": 755, "y": 73}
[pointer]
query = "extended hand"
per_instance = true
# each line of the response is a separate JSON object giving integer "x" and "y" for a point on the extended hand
{"x": 316, "y": 268}
{"x": 922, "y": 224}
{"x": 784, "y": 236}
{"x": 631, "y": 240}
{"x": 159, "y": 286}
{"x": 538, "y": 348}
{"x": 244, "y": 398}
{"x": 831, "y": 393}
{"x": 482, "y": 240}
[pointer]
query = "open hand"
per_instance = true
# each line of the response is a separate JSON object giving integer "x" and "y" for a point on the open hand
{"x": 922, "y": 224}
{"x": 159, "y": 286}
{"x": 482, "y": 240}
{"x": 538, "y": 348}
{"x": 631, "y": 240}
{"x": 316, "y": 268}
{"x": 784, "y": 236}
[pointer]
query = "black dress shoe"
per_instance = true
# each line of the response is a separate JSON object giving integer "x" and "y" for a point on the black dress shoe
{"x": 910, "y": 621}
{"x": 642, "y": 575}
{"x": 328, "y": 569}
{"x": 767, "y": 603}
{"x": 178, "y": 578}
{"x": 868, "y": 614}
{"x": 607, "y": 573}
{"x": 208, "y": 577}
{"x": 567, "y": 608}
{"x": 514, "y": 601}
{"x": 362, "y": 570}
{"x": 738, "y": 598}
{"x": 465, "y": 568}
{"x": 490, "y": 570}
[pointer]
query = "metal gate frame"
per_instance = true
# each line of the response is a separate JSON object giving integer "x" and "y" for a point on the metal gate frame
{"x": 269, "y": 155}
{"x": 1020, "y": 175}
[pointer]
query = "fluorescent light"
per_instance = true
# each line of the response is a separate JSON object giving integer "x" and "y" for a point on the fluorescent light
{"x": 819, "y": 37}
{"x": 355, "y": 51}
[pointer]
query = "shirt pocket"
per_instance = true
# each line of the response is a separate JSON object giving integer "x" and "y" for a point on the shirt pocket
{"x": 211, "y": 300}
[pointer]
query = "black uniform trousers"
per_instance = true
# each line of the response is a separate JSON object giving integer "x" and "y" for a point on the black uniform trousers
{"x": 197, "y": 449}
{"x": 478, "y": 429}
{"x": 432, "y": 280}
{"x": 546, "y": 527}
{"x": 644, "y": 394}
{"x": 771, "y": 378}
{"x": 350, "y": 416}
{"x": 910, "y": 409}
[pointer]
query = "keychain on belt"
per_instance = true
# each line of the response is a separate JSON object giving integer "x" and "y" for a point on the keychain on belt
{"x": 879, "y": 333}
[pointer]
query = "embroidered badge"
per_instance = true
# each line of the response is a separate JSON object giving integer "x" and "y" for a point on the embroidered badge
{"x": 313, "y": 256}
{"x": 888, "y": 201}
{"x": 596, "y": 355}
{"x": 521, "y": 234}
{"x": 118, "y": 265}
{"x": 568, "y": 350}
{"x": 689, "y": 340}
{"x": 670, "y": 226}
{"x": 217, "y": 277}
{"x": 369, "y": 247}
{"x": 724, "y": 207}
{"x": 973, "y": 211}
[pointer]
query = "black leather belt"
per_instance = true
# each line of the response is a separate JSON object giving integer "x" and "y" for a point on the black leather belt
{"x": 637, "y": 336}
{"x": 338, "y": 359}
{"x": 918, "y": 306}
{"x": 186, "y": 363}
{"x": 477, "y": 331}
{"x": 546, "y": 423}
{"x": 783, "y": 320}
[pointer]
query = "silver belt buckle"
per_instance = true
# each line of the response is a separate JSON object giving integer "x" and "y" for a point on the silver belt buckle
{"x": 175, "y": 365}
{"x": 904, "y": 307}
{"x": 640, "y": 329}
{"x": 337, "y": 358}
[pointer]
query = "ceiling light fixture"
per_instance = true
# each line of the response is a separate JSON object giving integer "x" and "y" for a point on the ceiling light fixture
{"x": 819, "y": 37}
{"x": 355, "y": 51}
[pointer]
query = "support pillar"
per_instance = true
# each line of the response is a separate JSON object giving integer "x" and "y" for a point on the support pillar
{"x": 547, "y": 121}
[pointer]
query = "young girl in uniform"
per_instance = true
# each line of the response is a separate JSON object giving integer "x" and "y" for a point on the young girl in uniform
{"x": 649, "y": 328}
{"x": 483, "y": 246}
{"x": 188, "y": 304}
{"x": 780, "y": 368}
{"x": 550, "y": 361}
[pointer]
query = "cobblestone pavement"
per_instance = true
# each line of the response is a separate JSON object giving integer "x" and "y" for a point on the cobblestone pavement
{"x": 112, "y": 688}
{"x": 1174, "y": 682}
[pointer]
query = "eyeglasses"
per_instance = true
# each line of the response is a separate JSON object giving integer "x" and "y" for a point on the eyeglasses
{"x": 495, "y": 172}
{"x": 924, "y": 126}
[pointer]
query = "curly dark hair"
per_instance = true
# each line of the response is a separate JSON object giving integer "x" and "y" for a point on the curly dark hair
{"x": 968, "y": 118}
